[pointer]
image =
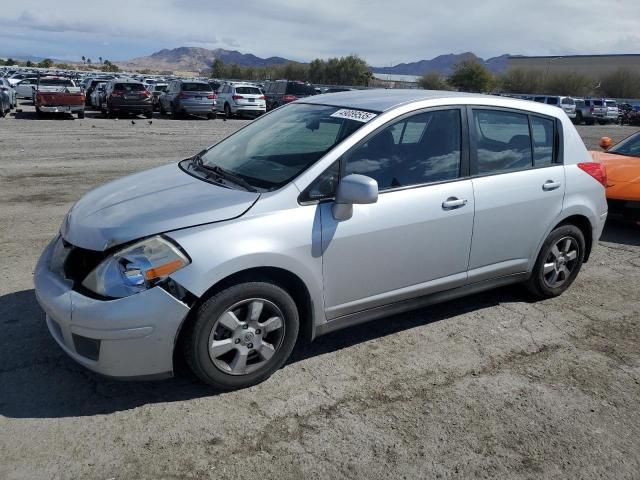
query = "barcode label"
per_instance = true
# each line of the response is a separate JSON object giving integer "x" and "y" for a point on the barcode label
{"x": 357, "y": 115}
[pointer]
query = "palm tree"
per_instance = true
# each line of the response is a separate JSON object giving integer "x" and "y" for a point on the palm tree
{"x": 100, "y": 58}
{"x": 83, "y": 58}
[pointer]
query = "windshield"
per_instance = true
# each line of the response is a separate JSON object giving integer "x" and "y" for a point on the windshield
{"x": 629, "y": 146}
{"x": 273, "y": 150}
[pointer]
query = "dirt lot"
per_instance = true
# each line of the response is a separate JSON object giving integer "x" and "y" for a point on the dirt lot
{"x": 490, "y": 386}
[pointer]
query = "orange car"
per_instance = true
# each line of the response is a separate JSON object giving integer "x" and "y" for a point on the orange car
{"x": 622, "y": 162}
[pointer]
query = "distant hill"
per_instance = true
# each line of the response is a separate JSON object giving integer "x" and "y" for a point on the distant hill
{"x": 194, "y": 59}
{"x": 200, "y": 60}
{"x": 443, "y": 64}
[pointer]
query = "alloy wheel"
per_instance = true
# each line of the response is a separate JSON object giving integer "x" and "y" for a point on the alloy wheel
{"x": 560, "y": 262}
{"x": 246, "y": 336}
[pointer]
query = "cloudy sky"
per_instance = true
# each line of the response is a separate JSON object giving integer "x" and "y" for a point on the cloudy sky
{"x": 382, "y": 32}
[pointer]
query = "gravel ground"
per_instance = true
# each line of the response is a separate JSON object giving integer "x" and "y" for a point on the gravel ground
{"x": 489, "y": 386}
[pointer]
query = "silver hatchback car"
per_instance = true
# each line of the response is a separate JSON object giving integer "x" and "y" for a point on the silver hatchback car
{"x": 325, "y": 213}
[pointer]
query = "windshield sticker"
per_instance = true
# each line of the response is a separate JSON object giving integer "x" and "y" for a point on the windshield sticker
{"x": 357, "y": 115}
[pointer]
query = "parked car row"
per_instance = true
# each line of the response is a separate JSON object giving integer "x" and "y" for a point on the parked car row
{"x": 583, "y": 110}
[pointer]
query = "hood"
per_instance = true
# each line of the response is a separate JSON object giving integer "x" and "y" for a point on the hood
{"x": 620, "y": 168}
{"x": 148, "y": 203}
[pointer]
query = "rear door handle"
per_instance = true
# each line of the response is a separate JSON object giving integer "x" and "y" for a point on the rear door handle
{"x": 550, "y": 185}
{"x": 453, "y": 202}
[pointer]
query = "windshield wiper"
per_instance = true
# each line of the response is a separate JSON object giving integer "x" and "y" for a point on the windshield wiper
{"x": 196, "y": 161}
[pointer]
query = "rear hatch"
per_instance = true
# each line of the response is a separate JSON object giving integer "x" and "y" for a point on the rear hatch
{"x": 130, "y": 93}
{"x": 196, "y": 92}
{"x": 249, "y": 97}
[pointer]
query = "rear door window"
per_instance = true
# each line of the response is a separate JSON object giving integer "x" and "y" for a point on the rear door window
{"x": 502, "y": 141}
{"x": 543, "y": 133}
{"x": 552, "y": 101}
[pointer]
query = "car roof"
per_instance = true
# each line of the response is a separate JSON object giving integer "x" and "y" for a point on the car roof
{"x": 381, "y": 100}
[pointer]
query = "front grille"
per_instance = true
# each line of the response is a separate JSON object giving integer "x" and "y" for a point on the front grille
{"x": 80, "y": 262}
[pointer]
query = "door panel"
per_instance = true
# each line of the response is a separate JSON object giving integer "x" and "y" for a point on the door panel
{"x": 512, "y": 213}
{"x": 403, "y": 246}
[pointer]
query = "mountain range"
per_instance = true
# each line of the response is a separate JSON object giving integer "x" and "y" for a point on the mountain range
{"x": 200, "y": 60}
{"x": 194, "y": 59}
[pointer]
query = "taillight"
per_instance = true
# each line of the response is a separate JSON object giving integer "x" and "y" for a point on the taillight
{"x": 596, "y": 170}
{"x": 184, "y": 95}
{"x": 211, "y": 96}
{"x": 146, "y": 93}
{"x": 237, "y": 97}
{"x": 262, "y": 98}
{"x": 289, "y": 98}
{"x": 116, "y": 93}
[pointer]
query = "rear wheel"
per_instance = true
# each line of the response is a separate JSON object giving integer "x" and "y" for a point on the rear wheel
{"x": 148, "y": 114}
{"x": 590, "y": 121}
{"x": 558, "y": 263}
{"x": 242, "y": 335}
{"x": 81, "y": 114}
{"x": 162, "y": 110}
{"x": 211, "y": 116}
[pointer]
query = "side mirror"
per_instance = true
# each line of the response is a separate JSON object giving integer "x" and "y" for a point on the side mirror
{"x": 353, "y": 189}
{"x": 606, "y": 143}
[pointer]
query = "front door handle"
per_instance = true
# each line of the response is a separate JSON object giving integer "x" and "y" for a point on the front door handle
{"x": 453, "y": 202}
{"x": 550, "y": 185}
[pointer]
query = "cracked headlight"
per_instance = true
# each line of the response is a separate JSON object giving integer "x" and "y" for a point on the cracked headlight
{"x": 136, "y": 268}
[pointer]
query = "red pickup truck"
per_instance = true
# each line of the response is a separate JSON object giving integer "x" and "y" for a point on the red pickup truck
{"x": 58, "y": 95}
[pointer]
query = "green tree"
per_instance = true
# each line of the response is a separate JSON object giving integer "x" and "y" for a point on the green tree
{"x": 234, "y": 71}
{"x": 46, "y": 63}
{"x": 63, "y": 66}
{"x": 568, "y": 84}
{"x": 84, "y": 58}
{"x": 107, "y": 66}
{"x": 433, "y": 81}
{"x": 520, "y": 80}
{"x": 471, "y": 76}
{"x": 10, "y": 61}
{"x": 88, "y": 61}
{"x": 621, "y": 84}
{"x": 100, "y": 59}
{"x": 218, "y": 69}
{"x": 29, "y": 64}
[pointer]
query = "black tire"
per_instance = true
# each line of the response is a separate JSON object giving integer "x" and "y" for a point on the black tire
{"x": 578, "y": 120}
{"x": 148, "y": 114}
{"x": 81, "y": 114}
{"x": 162, "y": 110}
{"x": 175, "y": 113}
{"x": 38, "y": 111}
{"x": 211, "y": 116}
{"x": 590, "y": 121}
{"x": 537, "y": 284}
{"x": 227, "y": 111}
{"x": 199, "y": 331}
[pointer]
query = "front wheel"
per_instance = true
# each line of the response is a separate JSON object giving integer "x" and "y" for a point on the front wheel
{"x": 558, "y": 263}
{"x": 81, "y": 114}
{"x": 242, "y": 335}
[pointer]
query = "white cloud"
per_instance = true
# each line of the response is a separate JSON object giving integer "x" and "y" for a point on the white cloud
{"x": 382, "y": 32}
